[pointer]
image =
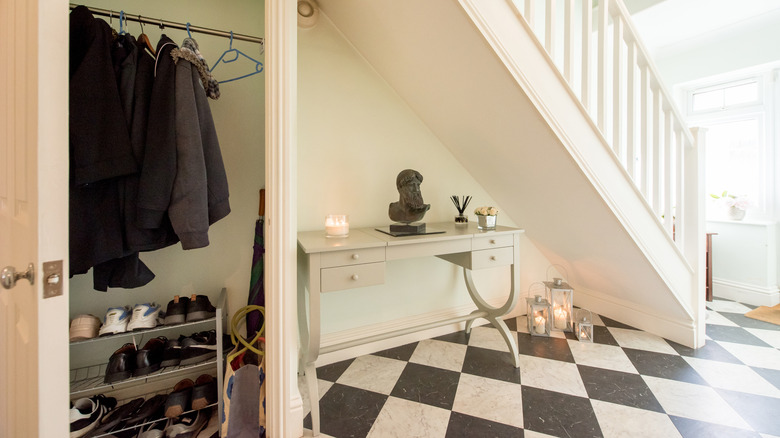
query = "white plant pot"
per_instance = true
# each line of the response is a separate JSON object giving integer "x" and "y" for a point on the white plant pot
{"x": 486, "y": 222}
{"x": 735, "y": 214}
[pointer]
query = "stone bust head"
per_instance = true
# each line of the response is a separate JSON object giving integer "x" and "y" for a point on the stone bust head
{"x": 410, "y": 206}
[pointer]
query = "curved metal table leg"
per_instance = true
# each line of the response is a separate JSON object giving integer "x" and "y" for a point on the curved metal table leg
{"x": 494, "y": 314}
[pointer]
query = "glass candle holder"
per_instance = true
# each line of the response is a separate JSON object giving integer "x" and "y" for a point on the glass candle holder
{"x": 337, "y": 225}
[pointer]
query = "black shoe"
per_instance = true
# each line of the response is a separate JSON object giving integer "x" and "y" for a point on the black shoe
{"x": 121, "y": 364}
{"x": 172, "y": 352}
{"x": 86, "y": 414}
{"x": 200, "y": 308}
{"x": 176, "y": 312}
{"x": 179, "y": 400}
{"x": 189, "y": 425}
{"x": 205, "y": 392}
{"x": 149, "y": 358}
{"x": 115, "y": 419}
{"x": 151, "y": 410}
{"x": 199, "y": 347}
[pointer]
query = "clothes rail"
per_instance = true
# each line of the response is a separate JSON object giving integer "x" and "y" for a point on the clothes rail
{"x": 172, "y": 24}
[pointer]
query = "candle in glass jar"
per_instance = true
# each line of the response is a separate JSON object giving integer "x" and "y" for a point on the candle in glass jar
{"x": 559, "y": 318}
{"x": 337, "y": 225}
{"x": 539, "y": 323}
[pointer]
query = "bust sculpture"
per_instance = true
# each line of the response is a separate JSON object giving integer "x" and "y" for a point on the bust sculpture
{"x": 410, "y": 206}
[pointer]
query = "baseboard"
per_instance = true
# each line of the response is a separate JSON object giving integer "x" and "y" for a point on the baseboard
{"x": 680, "y": 331}
{"x": 745, "y": 293}
{"x": 398, "y": 324}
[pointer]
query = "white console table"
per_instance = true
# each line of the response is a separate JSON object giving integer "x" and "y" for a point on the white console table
{"x": 334, "y": 264}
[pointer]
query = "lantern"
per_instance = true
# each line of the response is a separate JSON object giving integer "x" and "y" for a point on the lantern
{"x": 561, "y": 297}
{"x": 539, "y": 321}
{"x": 584, "y": 325}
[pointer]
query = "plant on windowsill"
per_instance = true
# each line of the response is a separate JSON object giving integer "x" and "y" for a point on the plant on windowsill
{"x": 486, "y": 218}
{"x": 735, "y": 205}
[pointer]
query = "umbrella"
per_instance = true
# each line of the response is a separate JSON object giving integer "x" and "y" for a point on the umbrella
{"x": 256, "y": 287}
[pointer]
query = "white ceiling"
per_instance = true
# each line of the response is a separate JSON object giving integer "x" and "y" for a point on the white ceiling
{"x": 667, "y": 24}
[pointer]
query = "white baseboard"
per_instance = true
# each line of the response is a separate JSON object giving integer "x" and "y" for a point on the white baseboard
{"x": 680, "y": 331}
{"x": 399, "y": 324}
{"x": 745, "y": 293}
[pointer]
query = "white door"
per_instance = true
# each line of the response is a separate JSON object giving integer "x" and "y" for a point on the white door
{"x": 33, "y": 216}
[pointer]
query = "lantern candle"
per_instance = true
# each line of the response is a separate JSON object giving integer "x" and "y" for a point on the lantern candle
{"x": 337, "y": 225}
{"x": 559, "y": 318}
{"x": 539, "y": 322}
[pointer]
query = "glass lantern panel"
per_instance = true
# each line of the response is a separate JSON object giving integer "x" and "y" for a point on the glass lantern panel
{"x": 562, "y": 301}
{"x": 539, "y": 321}
{"x": 585, "y": 332}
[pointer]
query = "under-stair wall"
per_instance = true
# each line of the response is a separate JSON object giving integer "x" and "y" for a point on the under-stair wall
{"x": 476, "y": 75}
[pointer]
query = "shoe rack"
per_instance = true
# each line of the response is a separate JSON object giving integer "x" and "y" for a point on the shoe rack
{"x": 89, "y": 359}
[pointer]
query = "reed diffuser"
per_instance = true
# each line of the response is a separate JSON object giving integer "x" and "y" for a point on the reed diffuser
{"x": 461, "y": 219}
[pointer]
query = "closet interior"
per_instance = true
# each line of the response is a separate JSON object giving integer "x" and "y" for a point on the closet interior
{"x": 229, "y": 38}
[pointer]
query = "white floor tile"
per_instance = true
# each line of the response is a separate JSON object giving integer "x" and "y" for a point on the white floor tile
{"x": 693, "y": 401}
{"x": 601, "y": 356}
{"x": 552, "y": 375}
{"x": 373, "y": 373}
{"x": 532, "y": 434}
{"x": 727, "y": 306}
{"x": 488, "y": 337}
{"x": 771, "y": 337}
{"x": 617, "y": 421}
{"x": 716, "y": 318}
{"x": 440, "y": 354}
{"x": 490, "y": 399}
{"x": 401, "y": 418}
{"x": 733, "y": 377}
{"x": 762, "y": 357}
{"x": 641, "y": 341}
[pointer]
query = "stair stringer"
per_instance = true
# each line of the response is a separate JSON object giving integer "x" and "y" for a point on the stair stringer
{"x": 516, "y": 127}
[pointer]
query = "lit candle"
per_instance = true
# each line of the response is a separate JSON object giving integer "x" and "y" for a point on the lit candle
{"x": 583, "y": 335}
{"x": 337, "y": 225}
{"x": 539, "y": 322}
{"x": 559, "y": 318}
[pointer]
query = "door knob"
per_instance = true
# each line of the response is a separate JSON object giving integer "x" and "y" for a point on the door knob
{"x": 10, "y": 276}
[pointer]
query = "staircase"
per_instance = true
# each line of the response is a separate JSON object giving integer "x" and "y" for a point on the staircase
{"x": 559, "y": 113}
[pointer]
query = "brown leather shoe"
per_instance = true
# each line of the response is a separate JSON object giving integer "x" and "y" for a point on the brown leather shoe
{"x": 179, "y": 400}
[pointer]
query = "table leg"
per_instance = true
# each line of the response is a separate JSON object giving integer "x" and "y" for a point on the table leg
{"x": 494, "y": 314}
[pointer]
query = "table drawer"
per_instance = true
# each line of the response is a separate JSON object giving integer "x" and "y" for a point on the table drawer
{"x": 498, "y": 241}
{"x": 490, "y": 258}
{"x": 349, "y": 277}
{"x": 352, "y": 257}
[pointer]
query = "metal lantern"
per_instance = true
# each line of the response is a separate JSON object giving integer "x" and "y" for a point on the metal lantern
{"x": 584, "y": 325}
{"x": 539, "y": 321}
{"x": 561, "y": 297}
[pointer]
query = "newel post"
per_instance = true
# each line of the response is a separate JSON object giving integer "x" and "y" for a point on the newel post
{"x": 693, "y": 226}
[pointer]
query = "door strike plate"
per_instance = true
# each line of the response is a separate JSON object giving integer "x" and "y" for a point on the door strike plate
{"x": 52, "y": 279}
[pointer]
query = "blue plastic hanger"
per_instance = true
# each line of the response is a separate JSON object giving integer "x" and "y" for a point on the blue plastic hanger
{"x": 237, "y": 53}
{"x": 121, "y": 20}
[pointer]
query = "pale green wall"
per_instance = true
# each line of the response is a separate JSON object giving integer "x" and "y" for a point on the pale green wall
{"x": 354, "y": 135}
{"x": 239, "y": 118}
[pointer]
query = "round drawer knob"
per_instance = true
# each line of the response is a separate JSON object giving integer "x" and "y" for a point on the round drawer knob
{"x": 492, "y": 241}
{"x": 355, "y": 277}
{"x": 355, "y": 256}
{"x": 493, "y": 258}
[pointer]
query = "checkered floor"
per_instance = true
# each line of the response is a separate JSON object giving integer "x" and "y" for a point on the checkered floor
{"x": 628, "y": 383}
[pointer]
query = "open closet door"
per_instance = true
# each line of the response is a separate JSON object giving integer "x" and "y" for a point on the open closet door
{"x": 33, "y": 217}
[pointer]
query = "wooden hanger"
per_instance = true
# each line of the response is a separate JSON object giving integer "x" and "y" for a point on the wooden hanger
{"x": 143, "y": 39}
{"x": 261, "y": 210}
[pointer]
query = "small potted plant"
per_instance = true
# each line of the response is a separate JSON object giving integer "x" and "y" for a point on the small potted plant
{"x": 486, "y": 217}
{"x": 735, "y": 205}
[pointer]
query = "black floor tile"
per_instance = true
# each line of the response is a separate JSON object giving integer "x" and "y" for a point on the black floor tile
{"x": 347, "y": 412}
{"x": 758, "y": 411}
{"x": 710, "y": 351}
{"x": 492, "y": 364}
{"x": 615, "y": 324}
{"x": 771, "y": 376}
{"x": 558, "y": 414}
{"x": 667, "y": 366}
{"x": 548, "y": 348}
{"x": 332, "y": 372}
{"x": 404, "y": 352}
{"x": 733, "y": 334}
{"x": 698, "y": 429}
{"x": 620, "y": 388}
{"x": 456, "y": 338}
{"x": 466, "y": 426}
{"x": 601, "y": 335}
{"x": 747, "y": 322}
{"x": 429, "y": 385}
{"x": 511, "y": 323}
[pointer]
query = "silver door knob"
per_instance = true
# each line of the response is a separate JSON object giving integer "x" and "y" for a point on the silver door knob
{"x": 10, "y": 276}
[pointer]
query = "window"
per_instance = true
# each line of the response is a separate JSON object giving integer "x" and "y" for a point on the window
{"x": 739, "y": 148}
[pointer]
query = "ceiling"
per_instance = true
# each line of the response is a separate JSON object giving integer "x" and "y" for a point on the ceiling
{"x": 668, "y": 24}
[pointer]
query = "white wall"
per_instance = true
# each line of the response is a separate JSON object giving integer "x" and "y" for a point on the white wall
{"x": 354, "y": 135}
{"x": 238, "y": 115}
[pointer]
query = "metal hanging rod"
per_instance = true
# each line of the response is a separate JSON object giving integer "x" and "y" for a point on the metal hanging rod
{"x": 172, "y": 24}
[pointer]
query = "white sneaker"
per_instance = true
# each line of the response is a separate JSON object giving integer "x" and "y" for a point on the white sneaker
{"x": 144, "y": 316}
{"x": 116, "y": 321}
